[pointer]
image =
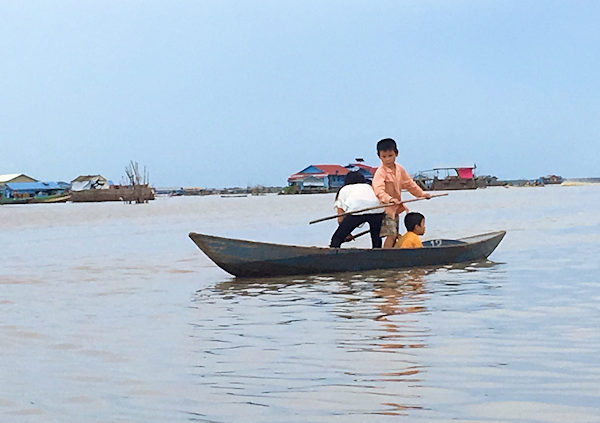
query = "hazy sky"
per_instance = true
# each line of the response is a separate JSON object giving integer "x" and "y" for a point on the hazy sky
{"x": 224, "y": 93}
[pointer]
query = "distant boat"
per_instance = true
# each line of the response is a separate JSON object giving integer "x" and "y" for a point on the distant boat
{"x": 55, "y": 198}
{"x": 234, "y": 195}
{"x": 552, "y": 179}
{"x": 446, "y": 178}
{"x": 247, "y": 258}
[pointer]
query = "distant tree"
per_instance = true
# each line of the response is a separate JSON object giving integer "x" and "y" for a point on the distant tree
{"x": 133, "y": 174}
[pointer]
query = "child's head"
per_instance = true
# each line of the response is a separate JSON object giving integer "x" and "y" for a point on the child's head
{"x": 387, "y": 151}
{"x": 354, "y": 178}
{"x": 415, "y": 222}
{"x": 386, "y": 144}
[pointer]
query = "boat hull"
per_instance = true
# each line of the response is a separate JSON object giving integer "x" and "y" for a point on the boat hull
{"x": 57, "y": 198}
{"x": 258, "y": 259}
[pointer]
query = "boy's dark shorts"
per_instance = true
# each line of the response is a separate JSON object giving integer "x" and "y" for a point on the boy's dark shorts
{"x": 389, "y": 226}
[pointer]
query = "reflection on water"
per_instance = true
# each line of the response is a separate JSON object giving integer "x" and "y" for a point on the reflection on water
{"x": 319, "y": 339}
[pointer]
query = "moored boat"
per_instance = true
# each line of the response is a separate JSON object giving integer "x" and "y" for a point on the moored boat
{"x": 447, "y": 178}
{"x": 54, "y": 198}
{"x": 57, "y": 198}
{"x": 33, "y": 192}
{"x": 552, "y": 179}
{"x": 255, "y": 259}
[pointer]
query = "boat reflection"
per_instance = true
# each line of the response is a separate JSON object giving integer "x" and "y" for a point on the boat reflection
{"x": 372, "y": 326}
{"x": 399, "y": 296}
{"x": 349, "y": 280}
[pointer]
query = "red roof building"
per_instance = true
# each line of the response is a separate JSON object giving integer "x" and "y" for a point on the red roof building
{"x": 327, "y": 177}
{"x": 319, "y": 177}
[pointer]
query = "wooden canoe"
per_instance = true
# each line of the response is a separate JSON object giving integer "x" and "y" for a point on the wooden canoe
{"x": 251, "y": 259}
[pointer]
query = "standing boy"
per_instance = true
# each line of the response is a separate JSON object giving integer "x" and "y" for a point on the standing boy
{"x": 389, "y": 181}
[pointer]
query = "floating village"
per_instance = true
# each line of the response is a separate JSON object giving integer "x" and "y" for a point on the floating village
{"x": 19, "y": 188}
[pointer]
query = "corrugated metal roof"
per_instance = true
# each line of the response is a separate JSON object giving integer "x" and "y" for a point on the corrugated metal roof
{"x": 332, "y": 169}
{"x": 297, "y": 176}
{"x": 83, "y": 178}
{"x": 28, "y": 186}
{"x": 450, "y": 168}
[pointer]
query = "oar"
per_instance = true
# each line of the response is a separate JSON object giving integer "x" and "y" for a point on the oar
{"x": 372, "y": 208}
{"x": 353, "y": 237}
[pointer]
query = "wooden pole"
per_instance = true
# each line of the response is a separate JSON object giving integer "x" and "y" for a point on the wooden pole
{"x": 359, "y": 234}
{"x": 381, "y": 206}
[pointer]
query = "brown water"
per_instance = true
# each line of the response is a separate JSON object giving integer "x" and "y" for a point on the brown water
{"x": 109, "y": 313}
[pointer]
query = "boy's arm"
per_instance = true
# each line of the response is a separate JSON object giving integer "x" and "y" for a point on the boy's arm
{"x": 339, "y": 211}
{"x": 378, "y": 185}
{"x": 411, "y": 186}
{"x": 379, "y": 188}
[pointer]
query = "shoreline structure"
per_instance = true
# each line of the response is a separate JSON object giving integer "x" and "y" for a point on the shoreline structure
{"x": 149, "y": 192}
{"x": 261, "y": 190}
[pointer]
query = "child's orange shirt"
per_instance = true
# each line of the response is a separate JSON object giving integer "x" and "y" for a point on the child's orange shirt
{"x": 409, "y": 240}
{"x": 389, "y": 183}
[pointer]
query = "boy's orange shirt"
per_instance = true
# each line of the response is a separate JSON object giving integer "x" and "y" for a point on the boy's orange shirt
{"x": 409, "y": 240}
{"x": 389, "y": 183}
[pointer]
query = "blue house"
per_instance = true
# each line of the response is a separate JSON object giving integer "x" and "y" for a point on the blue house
{"x": 319, "y": 178}
{"x": 322, "y": 178}
{"x": 24, "y": 190}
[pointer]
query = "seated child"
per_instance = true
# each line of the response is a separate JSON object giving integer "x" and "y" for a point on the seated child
{"x": 357, "y": 194}
{"x": 415, "y": 225}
